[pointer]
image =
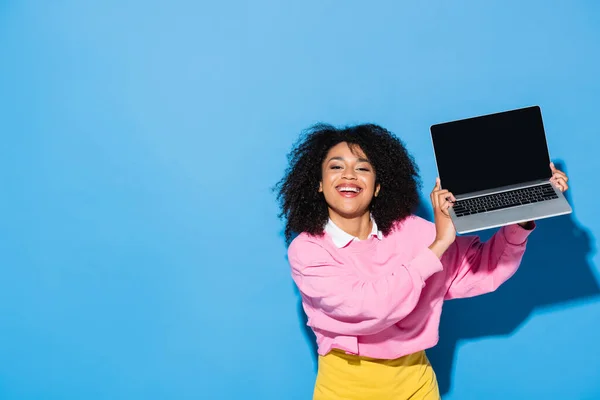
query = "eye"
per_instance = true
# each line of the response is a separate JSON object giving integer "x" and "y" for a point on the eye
{"x": 335, "y": 167}
{"x": 364, "y": 169}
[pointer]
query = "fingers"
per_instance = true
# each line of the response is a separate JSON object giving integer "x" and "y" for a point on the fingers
{"x": 446, "y": 200}
{"x": 445, "y": 206}
{"x": 560, "y": 182}
{"x": 557, "y": 172}
{"x": 441, "y": 199}
{"x": 449, "y": 196}
{"x": 559, "y": 178}
{"x": 433, "y": 195}
{"x": 438, "y": 185}
{"x": 560, "y": 175}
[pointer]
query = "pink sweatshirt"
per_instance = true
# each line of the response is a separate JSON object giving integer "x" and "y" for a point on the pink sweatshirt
{"x": 382, "y": 297}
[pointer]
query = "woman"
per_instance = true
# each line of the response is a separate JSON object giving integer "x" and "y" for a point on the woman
{"x": 373, "y": 276}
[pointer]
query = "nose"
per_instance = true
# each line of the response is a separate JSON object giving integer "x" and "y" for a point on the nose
{"x": 349, "y": 174}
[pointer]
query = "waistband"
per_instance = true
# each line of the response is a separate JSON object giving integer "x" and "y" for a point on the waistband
{"x": 416, "y": 358}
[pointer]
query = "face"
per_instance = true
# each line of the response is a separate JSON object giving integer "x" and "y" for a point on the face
{"x": 348, "y": 181}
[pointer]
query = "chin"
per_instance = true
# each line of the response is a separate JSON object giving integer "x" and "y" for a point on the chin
{"x": 350, "y": 213}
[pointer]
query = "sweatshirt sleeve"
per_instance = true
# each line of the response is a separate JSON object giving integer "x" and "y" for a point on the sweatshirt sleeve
{"x": 342, "y": 301}
{"x": 475, "y": 268}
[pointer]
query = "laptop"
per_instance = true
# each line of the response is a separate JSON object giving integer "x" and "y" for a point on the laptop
{"x": 498, "y": 168}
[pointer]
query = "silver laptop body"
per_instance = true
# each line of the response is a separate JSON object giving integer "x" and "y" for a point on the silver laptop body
{"x": 498, "y": 168}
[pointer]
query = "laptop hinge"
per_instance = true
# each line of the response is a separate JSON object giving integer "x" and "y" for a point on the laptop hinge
{"x": 501, "y": 189}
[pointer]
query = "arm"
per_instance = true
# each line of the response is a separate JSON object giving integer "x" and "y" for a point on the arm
{"x": 342, "y": 301}
{"x": 475, "y": 268}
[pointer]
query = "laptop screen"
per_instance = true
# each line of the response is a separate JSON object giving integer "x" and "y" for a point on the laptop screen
{"x": 490, "y": 151}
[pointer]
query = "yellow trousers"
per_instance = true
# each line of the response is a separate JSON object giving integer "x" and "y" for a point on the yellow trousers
{"x": 349, "y": 377}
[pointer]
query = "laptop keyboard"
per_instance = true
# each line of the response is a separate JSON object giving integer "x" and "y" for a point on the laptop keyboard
{"x": 502, "y": 200}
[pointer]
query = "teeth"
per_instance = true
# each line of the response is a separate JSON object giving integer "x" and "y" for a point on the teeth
{"x": 349, "y": 189}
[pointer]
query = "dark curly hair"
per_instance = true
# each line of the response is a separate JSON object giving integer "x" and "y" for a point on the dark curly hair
{"x": 304, "y": 208}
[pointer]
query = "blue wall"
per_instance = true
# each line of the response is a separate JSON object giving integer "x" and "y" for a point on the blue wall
{"x": 140, "y": 252}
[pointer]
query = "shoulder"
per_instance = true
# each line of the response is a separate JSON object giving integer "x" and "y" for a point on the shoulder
{"x": 413, "y": 226}
{"x": 412, "y": 232}
{"x": 305, "y": 248}
{"x": 304, "y": 240}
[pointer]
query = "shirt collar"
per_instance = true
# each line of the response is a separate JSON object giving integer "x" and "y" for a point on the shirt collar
{"x": 341, "y": 238}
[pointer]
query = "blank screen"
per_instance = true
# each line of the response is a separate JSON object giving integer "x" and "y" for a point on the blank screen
{"x": 490, "y": 151}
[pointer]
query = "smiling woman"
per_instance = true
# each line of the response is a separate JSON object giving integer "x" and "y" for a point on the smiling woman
{"x": 348, "y": 185}
{"x": 371, "y": 275}
{"x": 367, "y": 158}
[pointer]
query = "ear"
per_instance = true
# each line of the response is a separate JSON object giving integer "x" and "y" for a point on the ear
{"x": 377, "y": 188}
{"x": 320, "y": 186}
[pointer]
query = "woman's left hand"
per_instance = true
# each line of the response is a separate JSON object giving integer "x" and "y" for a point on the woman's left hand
{"x": 558, "y": 179}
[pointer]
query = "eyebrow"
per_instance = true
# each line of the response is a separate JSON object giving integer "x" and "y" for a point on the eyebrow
{"x": 342, "y": 159}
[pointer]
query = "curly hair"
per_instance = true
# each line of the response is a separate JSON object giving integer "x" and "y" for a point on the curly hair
{"x": 304, "y": 208}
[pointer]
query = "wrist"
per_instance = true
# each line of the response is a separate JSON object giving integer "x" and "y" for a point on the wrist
{"x": 439, "y": 247}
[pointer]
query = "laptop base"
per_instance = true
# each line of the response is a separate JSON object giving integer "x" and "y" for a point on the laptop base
{"x": 513, "y": 215}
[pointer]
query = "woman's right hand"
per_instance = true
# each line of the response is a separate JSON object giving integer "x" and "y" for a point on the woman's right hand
{"x": 442, "y": 200}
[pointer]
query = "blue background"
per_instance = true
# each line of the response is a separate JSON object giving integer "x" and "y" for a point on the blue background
{"x": 140, "y": 252}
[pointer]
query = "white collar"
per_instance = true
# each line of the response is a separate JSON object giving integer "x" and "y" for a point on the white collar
{"x": 341, "y": 238}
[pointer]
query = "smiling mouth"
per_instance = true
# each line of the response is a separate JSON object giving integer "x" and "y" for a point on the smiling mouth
{"x": 348, "y": 191}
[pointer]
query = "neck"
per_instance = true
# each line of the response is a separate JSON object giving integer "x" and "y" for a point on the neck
{"x": 359, "y": 227}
